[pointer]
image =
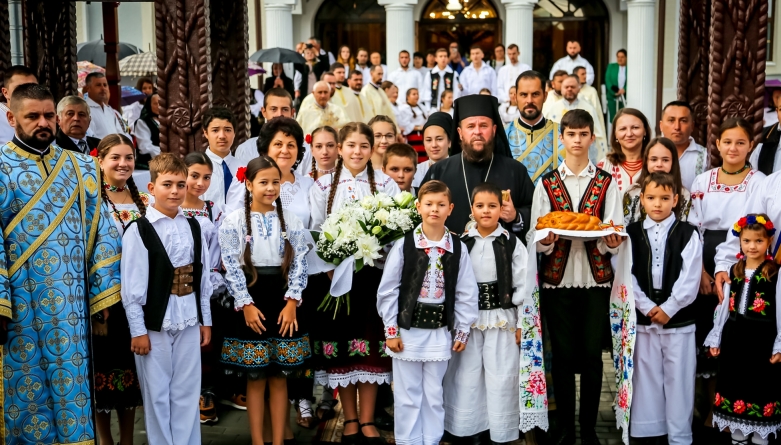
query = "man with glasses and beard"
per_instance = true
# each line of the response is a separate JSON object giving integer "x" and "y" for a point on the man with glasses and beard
{"x": 534, "y": 140}
{"x": 479, "y": 153}
{"x": 59, "y": 267}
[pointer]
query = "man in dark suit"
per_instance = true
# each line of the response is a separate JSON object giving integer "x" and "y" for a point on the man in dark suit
{"x": 73, "y": 118}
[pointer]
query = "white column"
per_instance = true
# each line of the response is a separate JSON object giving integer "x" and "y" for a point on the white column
{"x": 278, "y": 25}
{"x": 399, "y": 30}
{"x": 519, "y": 27}
{"x": 641, "y": 62}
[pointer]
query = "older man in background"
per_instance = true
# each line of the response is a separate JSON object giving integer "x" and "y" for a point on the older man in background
{"x": 321, "y": 112}
{"x": 73, "y": 118}
{"x": 105, "y": 120}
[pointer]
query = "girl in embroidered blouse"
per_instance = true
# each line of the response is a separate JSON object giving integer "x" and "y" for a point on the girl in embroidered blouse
{"x": 747, "y": 339}
{"x": 352, "y": 345}
{"x": 324, "y": 141}
{"x": 116, "y": 157}
{"x": 264, "y": 253}
{"x": 630, "y": 134}
{"x": 660, "y": 155}
{"x": 209, "y": 216}
{"x": 384, "y": 136}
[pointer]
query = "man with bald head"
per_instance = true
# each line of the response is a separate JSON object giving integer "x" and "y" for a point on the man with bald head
{"x": 375, "y": 101}
{"x": 570, "y": 87}
{"x": 320, "y": 112}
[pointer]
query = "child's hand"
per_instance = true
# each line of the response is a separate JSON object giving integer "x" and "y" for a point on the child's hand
{"x": 287, "y": 318}
{"x": 614, "y": 240}
{"x": 206, "y": 335}
{"x": 714, "y": 352}
{"x": 253, "y": 317}
{"x": 550, "y": 239}
{"x": 518, "y": 336}
{"x": 458, "y": 346}
{"x": 394, "y": 344}
{"x": 660, "y": 317}
{"x": 776, "y": 358}
{"x": 140, "y": 345}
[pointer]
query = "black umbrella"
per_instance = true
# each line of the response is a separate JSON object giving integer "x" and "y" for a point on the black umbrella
{"x": 95, "y": 51}
{"x": 277, "y": 55}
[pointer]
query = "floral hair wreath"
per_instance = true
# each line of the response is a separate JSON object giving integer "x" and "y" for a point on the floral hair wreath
{"x": 751, "y": 220}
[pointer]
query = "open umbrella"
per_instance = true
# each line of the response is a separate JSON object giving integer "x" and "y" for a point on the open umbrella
{"x": 85, "y": 68}
{"x": 139, "y": 65}
{"x": 277, "y": 55}
{"x": 95, "y": 51}
{"x": 130, "y": 95}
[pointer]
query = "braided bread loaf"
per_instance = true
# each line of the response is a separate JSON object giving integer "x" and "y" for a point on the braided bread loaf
{"x": 568, "y": 221}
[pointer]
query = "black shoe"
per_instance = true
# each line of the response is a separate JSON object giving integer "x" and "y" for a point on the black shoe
{"x": 352, "y": 439}
{"x": 292, "y": 441}
{"x": 383, "y": 420}
{"x": 589, "y": 438}
{"x": 566, "y": 437}
{"x": 372, "y": 440}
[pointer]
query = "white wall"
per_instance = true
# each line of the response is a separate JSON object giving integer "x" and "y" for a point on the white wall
{"x": 136, "y": 23}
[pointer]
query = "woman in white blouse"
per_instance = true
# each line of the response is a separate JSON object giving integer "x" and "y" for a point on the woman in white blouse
{"x": 630, "y": 134}
{"x": 718, "y": 198}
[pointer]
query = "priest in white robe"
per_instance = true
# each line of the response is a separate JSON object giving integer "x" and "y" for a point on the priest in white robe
{"x": 321, "y": 111}
{"x": 570, "y": 89}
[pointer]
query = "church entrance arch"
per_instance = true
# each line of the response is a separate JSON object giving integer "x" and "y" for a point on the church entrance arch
{"x": 355, "y": 23}
{"x": 468, "y": 22}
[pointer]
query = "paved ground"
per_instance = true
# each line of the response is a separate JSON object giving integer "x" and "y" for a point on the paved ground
{"x": 232, "y": 428}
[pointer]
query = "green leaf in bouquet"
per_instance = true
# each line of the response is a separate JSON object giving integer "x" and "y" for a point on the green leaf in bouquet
{"x": 315, "y": 235}
{"x": 328, "y": 236}
{"x": 363, "y": 226}
{"x": 358, "y": 265}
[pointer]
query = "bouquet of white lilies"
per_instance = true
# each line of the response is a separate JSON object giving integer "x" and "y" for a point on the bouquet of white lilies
{"x": 355, "y": 235}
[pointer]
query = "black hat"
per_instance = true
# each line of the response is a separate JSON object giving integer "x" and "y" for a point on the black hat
{"x": 479, "y": 105}
{"x": 440, "y": 119}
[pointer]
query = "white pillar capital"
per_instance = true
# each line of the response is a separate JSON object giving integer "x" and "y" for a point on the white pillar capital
{"x": 399, "y": 21}
{"x": 279, "y": 23}
{"x": 519, "y": 27}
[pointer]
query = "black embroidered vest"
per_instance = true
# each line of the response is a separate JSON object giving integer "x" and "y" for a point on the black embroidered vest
{"x": 161, "y": 273}
{"x": 767, "y": 154}
{"x": 413, "y": 274}
{"x": 503, "y": 255}
{"x": 761, "y": 305}
{"x": 678, "y": 236}
{"x": 435, "y": 78}
{"x": 591, "y": 203}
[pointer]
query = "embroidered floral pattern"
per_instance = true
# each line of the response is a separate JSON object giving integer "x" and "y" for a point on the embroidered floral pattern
{"x": 382, "y": 349}
{"x": 749, "y": 409}
{"x": 732, "y": 302}
{"x": 462, "y": 336}
{"x": 119, "y": 380}
{"x": 359, "y": 346}
{"x": 715, "y": 186}
{"x": 330, "y": 349}
{"x": 391, "y": 332}
{"x": 261, "y": 353}
{"x": 759, "y": 303}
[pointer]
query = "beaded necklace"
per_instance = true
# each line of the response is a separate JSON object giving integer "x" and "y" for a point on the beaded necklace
{"x": 745, "y": 167}
{"x": 114, "y": 188}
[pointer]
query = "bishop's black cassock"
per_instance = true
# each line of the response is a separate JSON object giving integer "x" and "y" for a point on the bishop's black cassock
{"x": 505, "y": 172}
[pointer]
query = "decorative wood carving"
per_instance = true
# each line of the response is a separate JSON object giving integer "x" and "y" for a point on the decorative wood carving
{"x": 229, "y": 47}
{"x": 693, "y": 62}
{"x": 737, "y": 71}
{"x": 50, "y": 44}
{"x": 5, "y": 38}
{"x": 183, "y": 71}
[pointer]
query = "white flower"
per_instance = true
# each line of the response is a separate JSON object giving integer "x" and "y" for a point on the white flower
{"x": 404, "y": 199}
{"x": 384, "y": 201}
{"x": 382, "y": 216}
{"x": 368, "y": 249}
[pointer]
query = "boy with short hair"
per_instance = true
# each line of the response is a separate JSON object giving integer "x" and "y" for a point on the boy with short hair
{"x": 482, "y": 383}
{"x": 666, "y": 266}
{"x": 399, "y": 162}
{"x": 427, "y": 290}
{"x": 576, "y": 276}
{"x": 165, "y": 292}
{"x": 219, "y": 126}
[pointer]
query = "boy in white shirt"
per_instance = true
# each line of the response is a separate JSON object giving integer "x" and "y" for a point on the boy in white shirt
{"x": 219, "y": 126}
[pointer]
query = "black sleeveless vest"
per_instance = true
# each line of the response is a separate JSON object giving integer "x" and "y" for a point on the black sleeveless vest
{"x": 435, "y": 79}
{"x": 161, "y": 273}
{"x": 503, "y": 255}
{"x": 413, "y": 273}
{"x": 678, "y": 237}
{"x": 761, "y": 298}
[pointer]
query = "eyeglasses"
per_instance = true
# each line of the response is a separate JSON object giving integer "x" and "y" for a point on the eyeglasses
{"x": 388, "y": 136}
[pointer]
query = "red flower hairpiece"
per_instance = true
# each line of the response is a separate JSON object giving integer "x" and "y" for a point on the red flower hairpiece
{"x": 241, "y": 174}
{"x": 308, "y": 138}
{"x": 94, "y": 153}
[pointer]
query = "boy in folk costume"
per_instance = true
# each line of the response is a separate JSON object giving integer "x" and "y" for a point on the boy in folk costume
{"x": 482, "y": 383}
{"x": 666, "y": 268}
{"x": 576, "y": 276}
{"x": 166, "y": 291}
{"x": 428, "y": 289}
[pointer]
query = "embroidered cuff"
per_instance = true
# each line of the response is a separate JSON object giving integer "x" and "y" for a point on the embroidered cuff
{"x": 462, "y": 336}
{"x": 297, "y": 297}
{"x": 391, "y": 331}
{"x": 240, "y": 303}
{"x": 712, "y": 341}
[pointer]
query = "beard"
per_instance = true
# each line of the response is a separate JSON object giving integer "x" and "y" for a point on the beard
{"x": 39, "y": 140}
{"x": 573, "y": 56}
{"x": 477, "y": 156}
{"x": 530, "y": 116}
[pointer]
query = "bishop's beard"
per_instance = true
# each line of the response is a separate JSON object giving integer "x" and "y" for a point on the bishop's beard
{"x": 478, "y": 156}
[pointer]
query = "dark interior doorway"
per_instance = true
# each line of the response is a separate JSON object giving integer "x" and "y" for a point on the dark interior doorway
{"x": 355, "y": 23}
{"x": 476, "y": 23}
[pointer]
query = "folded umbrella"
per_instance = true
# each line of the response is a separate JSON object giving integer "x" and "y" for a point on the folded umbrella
{"x": 277, "y": 55}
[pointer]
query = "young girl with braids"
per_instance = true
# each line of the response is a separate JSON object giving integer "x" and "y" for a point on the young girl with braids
{"x": 264, "y": 253}
{"x": 746, "y": 337}
{"x": 116, "y": 364}
{"x": 351, "y": 346}
{"x": 209, "y": 216}
{"x": 324, "y": 151}
{"x": 384, "y": 136}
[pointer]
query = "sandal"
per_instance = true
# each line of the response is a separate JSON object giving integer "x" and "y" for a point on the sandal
{"x": 304, "y": 415}
{"x": 352, "y": 439}
{"x": 372, "y": 440}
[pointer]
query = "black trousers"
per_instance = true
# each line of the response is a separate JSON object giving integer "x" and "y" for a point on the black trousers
{"x": 576, "y": 319}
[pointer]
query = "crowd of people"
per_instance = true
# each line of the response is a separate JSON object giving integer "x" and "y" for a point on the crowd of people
{"x": 115, "y": 295}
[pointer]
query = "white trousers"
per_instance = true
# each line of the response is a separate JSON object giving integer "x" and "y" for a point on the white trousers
{"x": 417, "y": 405}
{"x": 481, "y": 387}
{"x": 663, "y": 399}
{"x": 170, "y": 379}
